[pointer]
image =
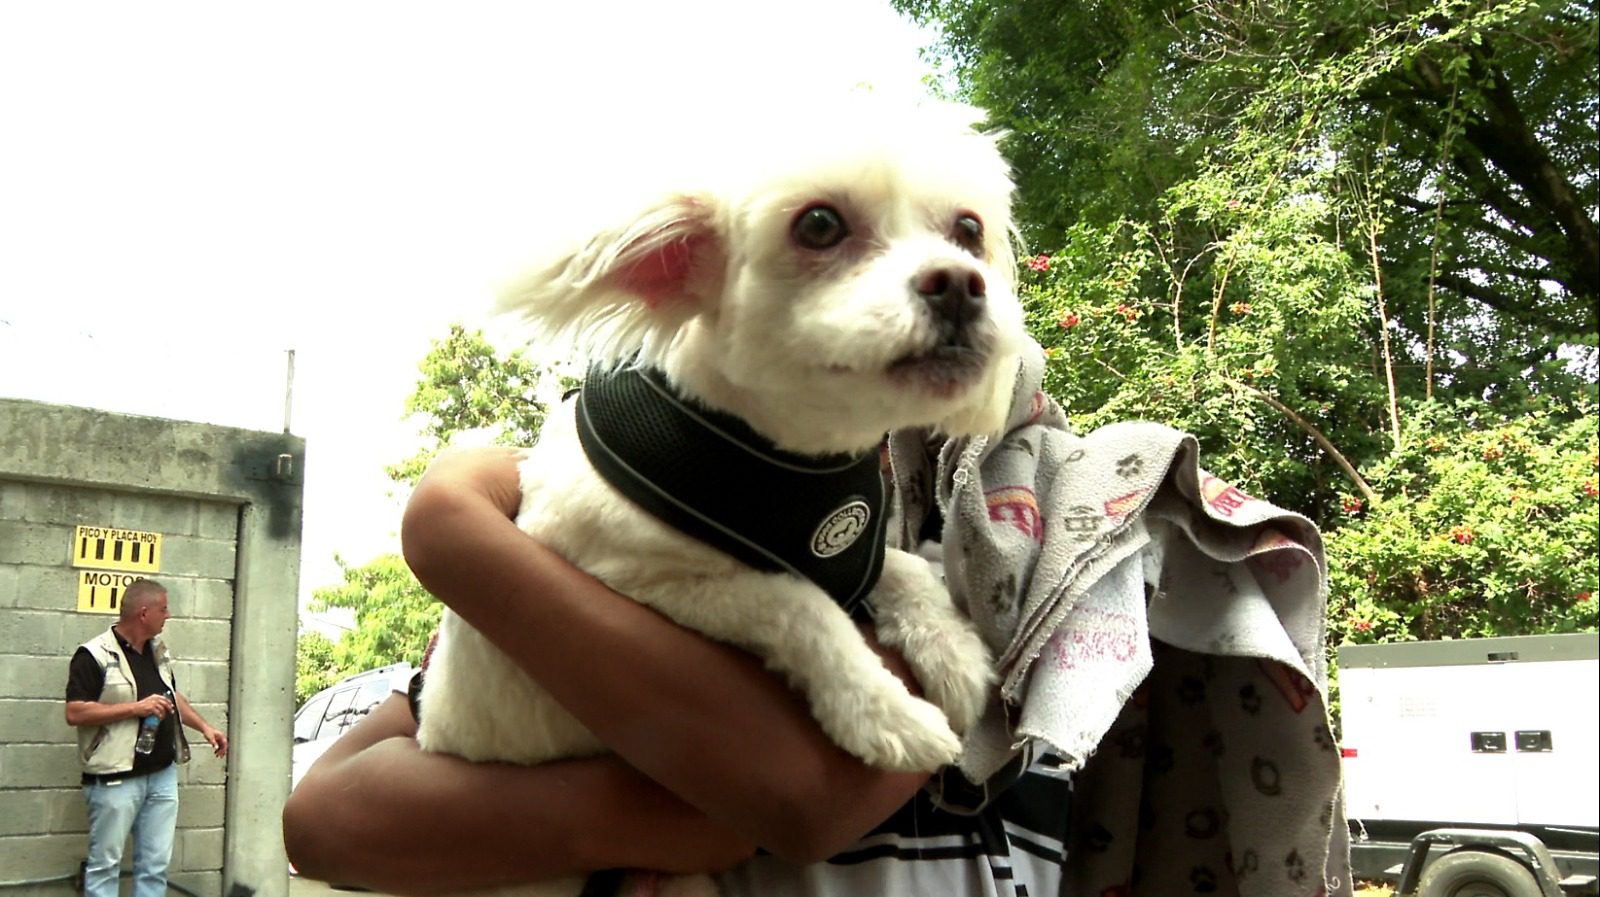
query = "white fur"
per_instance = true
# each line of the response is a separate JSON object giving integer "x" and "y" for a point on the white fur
{"x": 708, "y": 284}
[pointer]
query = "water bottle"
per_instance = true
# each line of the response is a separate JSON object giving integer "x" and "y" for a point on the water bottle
{"x": 147, "y": 734}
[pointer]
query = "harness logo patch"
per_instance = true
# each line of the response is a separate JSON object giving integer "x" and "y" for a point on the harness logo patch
{"x": 840, "y": 529}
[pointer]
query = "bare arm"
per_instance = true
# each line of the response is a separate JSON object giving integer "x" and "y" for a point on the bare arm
{"x": 769, "y": 773}
{"x": 94, "y": 713}
{"x": 192, "y": 718}
{"x": 378, "y": 812}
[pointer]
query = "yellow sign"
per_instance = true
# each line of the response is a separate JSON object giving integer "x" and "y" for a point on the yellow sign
{"x": 100, "y": 591}
{"x": 116, "y": 549}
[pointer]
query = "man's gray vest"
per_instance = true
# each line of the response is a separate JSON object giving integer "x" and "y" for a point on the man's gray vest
{"x": 108, "y": 749}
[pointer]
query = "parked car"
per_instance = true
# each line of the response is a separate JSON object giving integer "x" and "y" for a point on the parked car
{"x": 331, "y": 712}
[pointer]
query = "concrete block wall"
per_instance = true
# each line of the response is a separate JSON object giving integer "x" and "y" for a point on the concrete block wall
{"x": 227, "y": 503}
{"x": 39, "y": 590}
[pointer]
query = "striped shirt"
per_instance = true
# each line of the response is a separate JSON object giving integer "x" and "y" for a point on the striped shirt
{"x": 1012, "y": 847}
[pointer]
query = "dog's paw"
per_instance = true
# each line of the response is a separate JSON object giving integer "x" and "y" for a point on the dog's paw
{"x": 956, "y": 675}
{"x": 944, "y": 650}
{"x": 906, "y": 735}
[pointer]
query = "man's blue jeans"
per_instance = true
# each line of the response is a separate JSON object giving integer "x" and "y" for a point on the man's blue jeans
{"x": 146, "y": 807}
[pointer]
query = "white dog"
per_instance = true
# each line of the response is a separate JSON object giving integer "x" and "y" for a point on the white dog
{"x": 786, "y": 318}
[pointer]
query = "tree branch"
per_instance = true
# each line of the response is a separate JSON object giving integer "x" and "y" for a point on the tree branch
{"x": 1311, "y": 430}
{"x": 1478, "y": 223}
{"x": 1512, "y": 307}
{"x": 1506, "y": 138}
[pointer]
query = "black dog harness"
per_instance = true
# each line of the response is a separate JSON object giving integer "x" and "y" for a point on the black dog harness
{"x": 712, "y": 477}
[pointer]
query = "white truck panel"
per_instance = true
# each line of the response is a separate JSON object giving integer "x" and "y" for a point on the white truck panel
{"x": 1410, "y": 711}
{"x": 1560, "y": 786}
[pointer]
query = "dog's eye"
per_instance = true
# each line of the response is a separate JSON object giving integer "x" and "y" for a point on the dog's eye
{"x": 820, "y": 227}
{"x": 967, "y": 233}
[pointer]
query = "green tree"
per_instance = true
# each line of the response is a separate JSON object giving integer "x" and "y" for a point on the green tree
{"x": 1453, "y": 141}
{"x": 1271, "y": 377}
{"x": 1323, "y": 238}
{"x": 394, "y": 614}
{"x": 1489, "y": 527}
{"x": 466, "y": 385}
{"x": 314, "y": 665}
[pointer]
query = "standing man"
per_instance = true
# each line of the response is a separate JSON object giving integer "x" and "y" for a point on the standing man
{"x": 116, "y": 680}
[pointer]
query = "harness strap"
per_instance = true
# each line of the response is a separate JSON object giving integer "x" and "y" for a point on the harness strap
{"x": 710, "y": 476}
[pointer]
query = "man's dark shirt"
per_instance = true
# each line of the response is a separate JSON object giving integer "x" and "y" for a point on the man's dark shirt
{"x": 85, "y": 681}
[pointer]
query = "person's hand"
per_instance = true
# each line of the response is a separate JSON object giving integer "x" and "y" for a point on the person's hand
{"x": 217, "y": 740}
{"x": 153, "y": 705}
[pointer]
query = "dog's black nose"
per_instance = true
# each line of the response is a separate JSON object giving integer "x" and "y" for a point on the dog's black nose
{"x": 954, "y": 293}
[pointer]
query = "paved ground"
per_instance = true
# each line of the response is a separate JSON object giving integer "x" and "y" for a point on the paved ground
{"x": 305, "y": 887}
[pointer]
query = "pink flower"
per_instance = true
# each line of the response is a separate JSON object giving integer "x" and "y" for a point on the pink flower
{"x": 1069, "y": 322}
{"x": 1039, "y": 263}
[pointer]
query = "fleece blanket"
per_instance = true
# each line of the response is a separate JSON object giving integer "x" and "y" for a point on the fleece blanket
{"x": 1159, "y": 636}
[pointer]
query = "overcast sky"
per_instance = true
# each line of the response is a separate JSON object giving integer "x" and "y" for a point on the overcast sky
{"x": 188, "y": 190}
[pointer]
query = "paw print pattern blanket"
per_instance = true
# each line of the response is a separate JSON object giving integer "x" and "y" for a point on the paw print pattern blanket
{"x": 1157, "y": 631}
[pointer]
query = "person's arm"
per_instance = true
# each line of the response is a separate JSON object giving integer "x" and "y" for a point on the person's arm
{"x": 378, "y": 812}
{"x": 94, "y": 713}
{"x": 192, "y": 718}
{"x": 769, "y": 773}
{"x": 85, "y": 682}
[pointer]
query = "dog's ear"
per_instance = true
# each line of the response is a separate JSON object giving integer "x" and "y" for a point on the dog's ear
{"x": 630, "y": 288}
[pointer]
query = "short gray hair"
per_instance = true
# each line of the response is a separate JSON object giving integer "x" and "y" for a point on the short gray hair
{"x": 140, "y": 594}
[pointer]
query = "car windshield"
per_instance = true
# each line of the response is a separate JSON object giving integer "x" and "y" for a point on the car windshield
{"x": 309, "y": 718}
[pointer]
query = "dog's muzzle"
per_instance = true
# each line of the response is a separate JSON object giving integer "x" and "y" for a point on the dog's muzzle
{"x": 959, "y": 353}
{"x": 957, "y": 296}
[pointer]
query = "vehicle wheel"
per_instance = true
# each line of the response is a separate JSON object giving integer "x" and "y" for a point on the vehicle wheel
{"x": 1477, "y": 873}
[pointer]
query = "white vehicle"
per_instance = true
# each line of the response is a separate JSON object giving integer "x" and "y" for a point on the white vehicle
{"x": 1472, "y": 767}
{"x": 331, "y": 712}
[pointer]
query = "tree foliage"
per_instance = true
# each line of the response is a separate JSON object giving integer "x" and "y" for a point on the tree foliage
{"x": 394, "y": 614}
{"x": 1463, "y": 134}
{"x": 314, "y": 666}
{"x": 1350, "y": 246}
{"x": 466, "y": 387}
{"x": 1489, "y": 527}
